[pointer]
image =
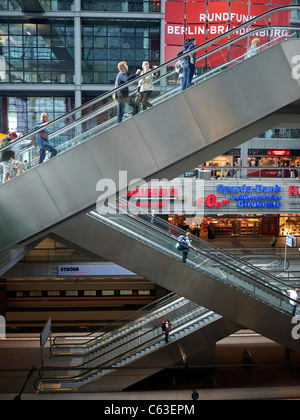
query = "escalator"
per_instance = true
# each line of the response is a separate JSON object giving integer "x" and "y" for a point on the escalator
{"x": 135, "y": 350}
{"x": 87, "y": 346}
{"x": 179, "y": 131}
{"x": 211, "y": 277}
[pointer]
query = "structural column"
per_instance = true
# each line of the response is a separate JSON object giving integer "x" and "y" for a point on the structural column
{"x": 77, "y": 53}
{"x": 3, "y": 297}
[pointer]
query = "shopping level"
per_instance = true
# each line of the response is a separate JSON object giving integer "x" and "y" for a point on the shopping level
{"x": 242, "y": 227}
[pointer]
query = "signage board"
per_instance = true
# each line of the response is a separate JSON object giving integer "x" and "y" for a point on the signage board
{"x": 46, "y": 332}
{"x": 291, "y": 241}
{"x": 2, "y": 327}
{"x": 93, "y": 270}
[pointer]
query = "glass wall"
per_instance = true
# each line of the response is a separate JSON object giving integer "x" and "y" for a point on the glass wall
{"x": 36, "y": 52}
{"x": 21, "y": 113}
{"x": 47, "y": 5}
{"x": 54, "y": 5}
{"x": 121, "y": 6}
{"x": 107, "y": 42}
{"x": 144, "y": 6}
{"x": 44, "y": 52}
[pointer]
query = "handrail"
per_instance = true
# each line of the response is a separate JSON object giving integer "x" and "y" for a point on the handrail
{"x": 241, "y": 271}
{"x": 110, "y": 105}
{"x": 197, "y": 79}
{"x": 160, "y": 67}
{"x": 165, "y": 301}
{"x": 88, "y": 371}
{"x": 204, "y": 76}
{"x": 219, "y": 251}
{"x": 238, "y": 170}
{"x": 195, "y": 239}
{"x": 188, "y": 311}
{"x": 125, "y": 329}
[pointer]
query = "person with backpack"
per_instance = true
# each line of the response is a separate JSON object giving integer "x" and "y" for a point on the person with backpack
{"x": 42, "y": 138}
{"x": 7, "y": 158}
{"x": 189, "y": 63}
{"x": 273, "y": 241}
{"x": 185, "y": 245}
{"x": 166, "y": 328}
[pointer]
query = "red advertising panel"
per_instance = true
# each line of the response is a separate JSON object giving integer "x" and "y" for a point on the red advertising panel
{"x": 196, "y": 13}
{"x": 174, "y": 12}
{"x": 218, "y": 12}
{"x": 206, "y": 20}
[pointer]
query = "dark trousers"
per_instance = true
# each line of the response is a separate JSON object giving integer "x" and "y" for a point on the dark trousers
{"x": 145, "y": 99}
{"x": 49, "y": 148}
{"x": 184, "y": 255}
{"x": 122, "y": 100}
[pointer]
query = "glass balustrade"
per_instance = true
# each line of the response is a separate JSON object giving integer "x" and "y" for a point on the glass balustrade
{"x": 203, "y": 257}
{"x": 120, "y": 354}
{"x": 212, "y": 57}
{"x": 140, "y": 316}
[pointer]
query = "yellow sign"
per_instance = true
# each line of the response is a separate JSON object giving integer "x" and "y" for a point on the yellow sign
{"x": 2, "y": 137}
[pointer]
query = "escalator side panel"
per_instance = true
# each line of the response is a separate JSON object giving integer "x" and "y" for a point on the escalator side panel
{"x": 154, "y": 143}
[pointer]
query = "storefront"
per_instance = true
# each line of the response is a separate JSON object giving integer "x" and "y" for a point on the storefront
{"x": 273, "y": 162}
{"x": 263, "y": 163}
{"x": 289, "y": 225}
{"x": 277, "y": 205}
{"x": 230, "y": 225}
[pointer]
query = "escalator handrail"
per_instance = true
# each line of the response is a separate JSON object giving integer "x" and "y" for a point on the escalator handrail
{"x": 195, "y": 239}
{"x": 160, "y": 67}
{"x": 165, "y": 300}
{"x": 277, "y": 291}
{"x": 127, "y": 353}
{"x": 125, "y": 327}
{"x": 214, "y": 248}
{"x": 111, "y": 105}
{"x": 120, "y": 345}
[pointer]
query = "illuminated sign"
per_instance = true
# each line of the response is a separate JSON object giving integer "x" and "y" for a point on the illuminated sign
{"x": 153, "y": 192}
{"x": 258, "y": 196}
{"x": 294, "y": 190}
{"x": 279, "y": 152}
{"x": 291, "y": 241}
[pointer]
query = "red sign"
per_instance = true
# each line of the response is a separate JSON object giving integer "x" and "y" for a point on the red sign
{"x": 294, "y": 190}
{"x": 279, "y": 152}
{"x": 206, "y": 20}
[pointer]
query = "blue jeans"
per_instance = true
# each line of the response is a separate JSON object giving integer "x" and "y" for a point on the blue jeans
{"x": 49, "y": 148}
{"x": 188, "y": 73}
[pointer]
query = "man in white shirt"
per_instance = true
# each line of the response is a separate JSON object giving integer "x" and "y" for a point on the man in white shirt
{"x": 293, "y": 294}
